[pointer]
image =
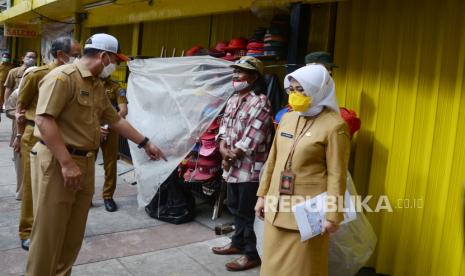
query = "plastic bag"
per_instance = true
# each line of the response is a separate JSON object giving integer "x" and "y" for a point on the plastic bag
{"x": 350, "y": 247}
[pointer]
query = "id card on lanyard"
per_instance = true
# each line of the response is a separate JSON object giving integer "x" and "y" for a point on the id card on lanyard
{"x": 287, "y": 181}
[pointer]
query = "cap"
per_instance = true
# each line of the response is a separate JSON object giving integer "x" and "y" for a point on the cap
{"x": 249, "y": 63}
{"x": 320, "y": 57}
{"x": 212, "y": 131}
{"x": 106, "y": 43}
{"x": 208, "y": 147}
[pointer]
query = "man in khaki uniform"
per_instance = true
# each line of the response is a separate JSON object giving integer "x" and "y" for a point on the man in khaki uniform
{"x": 64, "y": 50}
{"x": 11, "y": 83}
{"x": 71, "y": 107}
{"x": 117, "y": 96}
{"x": 5, "y": 67}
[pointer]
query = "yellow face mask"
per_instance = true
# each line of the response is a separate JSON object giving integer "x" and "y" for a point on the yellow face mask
{"x": 299, "y": 102}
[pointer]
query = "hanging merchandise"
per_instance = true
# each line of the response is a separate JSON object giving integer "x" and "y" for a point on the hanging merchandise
{"x": 173, "y": 101}
{"x": 50, "y": 32}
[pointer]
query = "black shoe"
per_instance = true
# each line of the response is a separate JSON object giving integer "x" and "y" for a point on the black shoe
{"x": 110, "y": 205}
{"x": 25, "y": 244}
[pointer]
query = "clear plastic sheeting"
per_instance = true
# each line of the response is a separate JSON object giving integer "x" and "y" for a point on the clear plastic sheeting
{"x": 350, "y": 246}
{"x": 173, "y": 101}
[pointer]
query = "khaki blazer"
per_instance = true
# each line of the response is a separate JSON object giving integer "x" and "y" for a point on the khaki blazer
{"x": 319, "y": 162}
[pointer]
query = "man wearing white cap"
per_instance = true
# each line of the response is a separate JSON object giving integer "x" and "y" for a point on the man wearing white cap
{"x": 71, "y": 107}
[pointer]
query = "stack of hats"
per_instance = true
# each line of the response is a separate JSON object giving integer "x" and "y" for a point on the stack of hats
{"x": 255, "y": 46}
{"x": 236, "y": 48}
{"x": 276, "y": 37}
{"x": 206, "y": 166}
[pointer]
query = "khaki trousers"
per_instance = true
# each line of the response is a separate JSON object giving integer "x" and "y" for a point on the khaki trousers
{"x": 60, "y": 214}
{"x": 110, "y": 157}
{"x": 26, "y": 219}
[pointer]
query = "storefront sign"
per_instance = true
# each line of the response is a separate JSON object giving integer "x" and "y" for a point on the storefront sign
{"x": 21, "y": 30}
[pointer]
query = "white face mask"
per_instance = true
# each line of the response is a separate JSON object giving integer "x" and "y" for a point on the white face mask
{"x": 29, "y": 62}
{"x": 107, "y": 70}
{"x": 5, "y": 60}
{"x": 240, "y": 85}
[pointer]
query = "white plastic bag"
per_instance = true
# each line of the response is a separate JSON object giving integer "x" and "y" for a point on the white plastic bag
{"x": 349, "y": 248}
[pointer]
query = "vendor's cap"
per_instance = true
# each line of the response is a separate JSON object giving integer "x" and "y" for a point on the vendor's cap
{"x": 320, "y": 57}
{"x": 249, "y": 63}
{"x": 106, "y": 43}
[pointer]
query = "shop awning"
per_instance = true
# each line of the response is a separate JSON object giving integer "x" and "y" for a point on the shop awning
{"x": 117, "y": 12}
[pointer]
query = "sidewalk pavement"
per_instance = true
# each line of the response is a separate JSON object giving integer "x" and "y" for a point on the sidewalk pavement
{"x": 126, "y": 242}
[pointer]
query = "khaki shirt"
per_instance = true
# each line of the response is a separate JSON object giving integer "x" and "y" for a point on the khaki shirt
{"x": 115, "y": 93}
{"x": 29, "y": 91}
{"x": 77, "y": 101}
{"x": 4, "y": 69}
{"x": 14, "y": 77}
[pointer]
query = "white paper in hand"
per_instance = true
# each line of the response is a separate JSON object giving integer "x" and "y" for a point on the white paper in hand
{"x": 309, "y": 216}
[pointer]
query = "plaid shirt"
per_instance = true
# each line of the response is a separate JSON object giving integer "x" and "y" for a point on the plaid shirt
{"x": 247, "y": 125}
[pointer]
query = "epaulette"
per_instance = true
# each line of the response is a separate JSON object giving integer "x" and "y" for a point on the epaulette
{"x": 69, "y": 70}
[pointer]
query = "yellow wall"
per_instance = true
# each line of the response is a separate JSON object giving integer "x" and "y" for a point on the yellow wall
{"x": 402, "y": 69}
{"x": 181, "y": 34}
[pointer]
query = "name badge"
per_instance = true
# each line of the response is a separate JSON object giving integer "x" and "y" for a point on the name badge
{"x": 84, "y": 93}
{"x": 286, "y": 186}
{"x": 287, "y": 135}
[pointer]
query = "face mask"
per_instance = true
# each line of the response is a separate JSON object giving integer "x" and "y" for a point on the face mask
{"x": 240, "y": 85}
{"x": 5, "y": 60}
{"x": 29, "y": 62}
{"x": 299, "y": 102}
{"x": 107, "y": 70}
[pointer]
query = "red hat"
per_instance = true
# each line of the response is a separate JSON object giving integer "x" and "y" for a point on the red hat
{"x": 207, "y": 169}
{"x": 208, "y": 147}
{"x": 196, "y": 51}
{"x": 238, "y": 43}
{"x": 211, "y": 131}
{"x": 230, "y": 57}
{"x": 351, "y": 119}
{"x": 220, "y": 46}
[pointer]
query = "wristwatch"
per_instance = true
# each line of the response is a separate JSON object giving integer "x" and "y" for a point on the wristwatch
{"x": 19, "y": 135}
{"x": 143, "y": 143}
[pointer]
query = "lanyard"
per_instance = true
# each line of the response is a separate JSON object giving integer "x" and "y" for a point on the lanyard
{"x": 305, "y": 129}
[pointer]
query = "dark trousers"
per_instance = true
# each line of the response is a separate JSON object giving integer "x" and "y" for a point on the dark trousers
{"x": 241, "y": 202}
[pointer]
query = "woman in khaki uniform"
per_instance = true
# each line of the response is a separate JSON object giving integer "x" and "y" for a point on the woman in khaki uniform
{"x": 311, "y": 150}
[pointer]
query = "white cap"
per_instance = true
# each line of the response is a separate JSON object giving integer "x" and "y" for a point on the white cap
{"x": 106, "y": 43}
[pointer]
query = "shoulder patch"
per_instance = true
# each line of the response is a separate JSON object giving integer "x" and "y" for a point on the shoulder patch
{"x": 60, "y": 78}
